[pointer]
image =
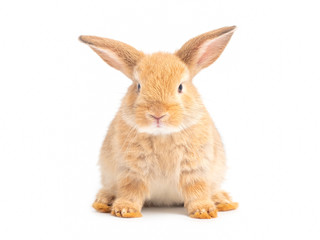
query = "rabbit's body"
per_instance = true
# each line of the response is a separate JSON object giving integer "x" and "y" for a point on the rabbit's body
{"x": 160, "y": 168}
{"x": 162, "y": 148}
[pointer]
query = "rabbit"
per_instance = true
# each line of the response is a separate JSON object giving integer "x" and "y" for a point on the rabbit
{"x": 162, "y": 148}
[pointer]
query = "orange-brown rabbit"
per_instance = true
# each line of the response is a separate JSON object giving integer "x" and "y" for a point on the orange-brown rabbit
{"x": 162, "y": 148}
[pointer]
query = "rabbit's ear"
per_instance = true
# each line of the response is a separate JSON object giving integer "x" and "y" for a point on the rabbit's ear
{"x": 117, "y": 54}
{"x": 203, "y": 50}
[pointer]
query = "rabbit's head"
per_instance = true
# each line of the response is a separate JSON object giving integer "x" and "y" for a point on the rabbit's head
{"x": 162, "y": 98}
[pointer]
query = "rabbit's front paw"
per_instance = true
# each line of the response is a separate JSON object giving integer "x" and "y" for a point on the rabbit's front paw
{"x": 101, "y": 207}
{"x": 224, "y": 202}
{"x": 125, "y": 209}
{"x": 103, "y": 201}
{"x": 227, "y": 206}
{"x": 202, "y": 210}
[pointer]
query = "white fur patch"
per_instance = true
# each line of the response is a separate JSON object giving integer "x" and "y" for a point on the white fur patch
{"x": 185, "y": 77}
{"x": 154, "y": 130}
{"x": 135, "y": 74}
{"x": 164, "y": 191}
{"x": 110, "y": 57}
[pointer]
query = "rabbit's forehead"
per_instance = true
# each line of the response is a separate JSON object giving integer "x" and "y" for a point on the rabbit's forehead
{"x": 161, "y": 69}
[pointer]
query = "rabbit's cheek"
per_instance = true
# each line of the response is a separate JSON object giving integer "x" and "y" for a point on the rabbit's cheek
{"x": 141, "y": 120}
{"x": 175, "y": 118}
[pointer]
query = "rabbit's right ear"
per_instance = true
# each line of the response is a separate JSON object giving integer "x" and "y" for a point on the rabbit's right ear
{"x": 117, "y": 54}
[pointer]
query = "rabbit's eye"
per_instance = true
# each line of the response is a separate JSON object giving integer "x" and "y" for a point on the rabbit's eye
{"x": 180, "y": 88}
{"x": 139, "y": 86}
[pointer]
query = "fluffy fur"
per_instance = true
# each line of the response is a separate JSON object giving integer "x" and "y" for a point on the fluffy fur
{"x": 162, "y": 148}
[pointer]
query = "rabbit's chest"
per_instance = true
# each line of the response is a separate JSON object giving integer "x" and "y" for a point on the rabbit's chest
{"x": 164, "y": 180}
{"x": 166, "y": 157}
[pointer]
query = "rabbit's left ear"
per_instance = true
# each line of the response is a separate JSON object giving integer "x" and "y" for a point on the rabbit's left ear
{"x": 117, "y": 54}
{"x": 203, "y": 50}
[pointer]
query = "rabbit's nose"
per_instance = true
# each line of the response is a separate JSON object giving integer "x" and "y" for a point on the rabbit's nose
{"x": 157, "y": 117}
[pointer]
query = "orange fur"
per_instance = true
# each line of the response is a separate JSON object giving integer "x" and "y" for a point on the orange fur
{"x": 126, "y": 209}
{"x": 227, "y": 206}
{"x": 224, "y": 202}
{"x": 203, "y": 209}
{"x": 173, "y": 160}
{"x": 101, "y": 207}
{"x": 205, "y": 214}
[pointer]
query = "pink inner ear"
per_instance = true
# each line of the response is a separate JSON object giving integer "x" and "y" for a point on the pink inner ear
{"x": 211, "y": 50}
{"x": 110, "y": 57}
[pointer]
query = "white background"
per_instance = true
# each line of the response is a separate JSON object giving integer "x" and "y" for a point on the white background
{"x": 58, "y": 97}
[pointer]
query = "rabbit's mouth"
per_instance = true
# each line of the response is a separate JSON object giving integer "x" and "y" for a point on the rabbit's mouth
{"x": 158, "y": 120}
{"x": 159, "y": 124}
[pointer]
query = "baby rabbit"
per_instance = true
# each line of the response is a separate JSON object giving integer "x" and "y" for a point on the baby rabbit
{"x": 162, "y": 148}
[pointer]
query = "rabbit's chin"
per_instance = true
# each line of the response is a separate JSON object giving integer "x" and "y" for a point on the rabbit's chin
{"x": 163, "y": 130}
